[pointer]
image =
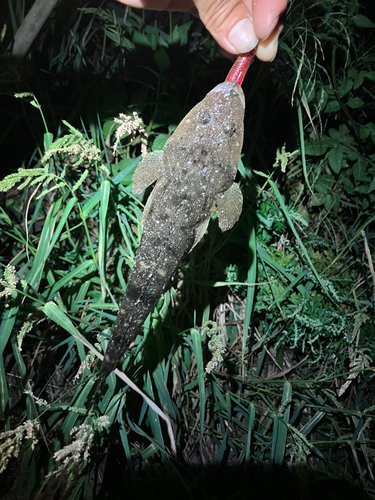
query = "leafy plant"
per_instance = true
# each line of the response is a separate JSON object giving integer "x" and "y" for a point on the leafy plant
{"x": 280, "y": 310}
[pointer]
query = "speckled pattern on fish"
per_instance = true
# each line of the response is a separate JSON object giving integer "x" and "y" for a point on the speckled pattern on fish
{"x": 195, "y": 172}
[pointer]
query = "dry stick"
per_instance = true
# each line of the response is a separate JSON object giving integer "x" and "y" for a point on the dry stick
{"x": 370, "y": 264}
{"x": 30, "y": 27}
{"x": 288, "y": 370}
{"x": 258, "y": 337}
{"x": 156, "y": 409}
{"x": 131, "y": 384}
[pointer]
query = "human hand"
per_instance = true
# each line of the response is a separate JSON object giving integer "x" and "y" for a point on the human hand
{"x": 237, "y": 25}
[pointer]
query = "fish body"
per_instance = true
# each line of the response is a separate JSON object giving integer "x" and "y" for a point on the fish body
{"x": 195, "y": 172}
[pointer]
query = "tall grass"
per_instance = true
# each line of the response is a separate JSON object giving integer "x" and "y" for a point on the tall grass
{"x": 286, "y": 298}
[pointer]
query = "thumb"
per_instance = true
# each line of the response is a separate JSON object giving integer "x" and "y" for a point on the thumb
{"x": 230, "y": 22}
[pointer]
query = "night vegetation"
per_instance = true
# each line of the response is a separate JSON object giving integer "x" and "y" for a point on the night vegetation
{"x": 280, "y": 309}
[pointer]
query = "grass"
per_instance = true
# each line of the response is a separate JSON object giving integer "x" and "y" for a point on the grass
{"x": 288, "y": 293}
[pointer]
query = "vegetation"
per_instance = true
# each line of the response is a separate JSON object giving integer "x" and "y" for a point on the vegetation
{"x": 261, "y": 350}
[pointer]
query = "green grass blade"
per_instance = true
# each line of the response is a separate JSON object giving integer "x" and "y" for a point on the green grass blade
{"x": 164, "y": 397}
{"x": 223, "y": 447}
{"x": 250, "y": 430}
{"x": 59, "y": 317}
{"x": 44, "y": 248}
{"x": 27, "y": 471}
{"x": 153, "y": 448}
{"x": 31, "y": 410}
{"x": 251, "y": 279}
{"x": 4, "y": 396}
{"x": 152, "y": 415}
{"x": 115, "y": 406}
{"x": 64, "y": 217}
{"x": 352, "y": 240}
{"x": 282, "y": 428}
{"x": 48, "y": 239}
{"x": 302, "y": 144}
{"x": 77, "y": 273}
{"x": 6, "y": 326}
{"x": 264, "y": 256}
{"x": 88, "y": 207}
{"x": 301, "y": 245}
{"x": 290, "y": 287}
{"x": 125, "y": 444}
{"x": 306, "y": 429}
{"x": 78, "y": 403}
{"x": 125, "y": 172}
{"x": 197, "y": 343}
{"x": 103, "y": 210}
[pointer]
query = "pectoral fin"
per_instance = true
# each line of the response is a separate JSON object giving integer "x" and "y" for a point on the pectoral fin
{"x": 229, "y": 207}
{"x": 148, "y": 171}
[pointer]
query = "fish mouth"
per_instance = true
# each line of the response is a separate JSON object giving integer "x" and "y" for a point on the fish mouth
{"x": 229, "y": 88}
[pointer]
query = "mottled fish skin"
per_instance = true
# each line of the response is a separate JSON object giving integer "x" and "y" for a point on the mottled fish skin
{"x": 199, "y": 164}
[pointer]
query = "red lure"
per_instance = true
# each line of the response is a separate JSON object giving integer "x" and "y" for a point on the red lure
{"x": 240, "y": 67}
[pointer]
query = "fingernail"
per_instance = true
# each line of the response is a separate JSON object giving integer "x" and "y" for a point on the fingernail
{"x": 242, "y": 36}
{"x": 268, "y": 52}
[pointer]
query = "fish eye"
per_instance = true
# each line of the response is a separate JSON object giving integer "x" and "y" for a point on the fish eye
{"x": 229, "y": 129}
{"x": 204, "y": 117}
